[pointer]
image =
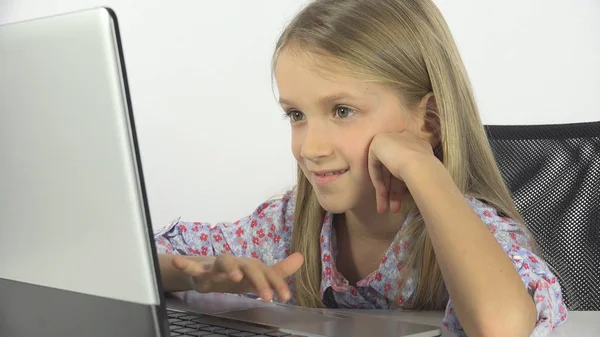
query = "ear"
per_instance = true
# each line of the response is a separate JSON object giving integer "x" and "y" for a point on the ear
{"x": 429, "y": 120}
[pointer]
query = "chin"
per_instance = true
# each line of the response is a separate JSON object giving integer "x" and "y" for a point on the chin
{"x": 333, "y": 204}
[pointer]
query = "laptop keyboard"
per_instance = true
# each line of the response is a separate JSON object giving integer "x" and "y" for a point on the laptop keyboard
{"x": 186, "y": 324}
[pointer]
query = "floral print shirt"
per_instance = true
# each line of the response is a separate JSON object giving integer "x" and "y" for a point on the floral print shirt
{"x": 266, "y": 235}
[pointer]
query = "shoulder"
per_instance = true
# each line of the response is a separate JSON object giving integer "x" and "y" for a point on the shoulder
{"x": 274, "y": 213}
{"x": 506, "y": 230}
{"x": 483, "y": 209}
{"x": 278, "y": 206}
{"x": 266, "y": 232}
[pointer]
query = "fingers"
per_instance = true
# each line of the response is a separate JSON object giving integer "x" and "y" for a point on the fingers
{"x": 289, "y": 265}
{"x": 227, "y": 273}
{"x": 389, "y": 190}
{"x": 208, "y": 276}
{"x": 384, "y": 198}
{"x": 397, "y": 191}
{"x": 266, "y": 279}
{"x": 277, "y": 283}
{"x": 189, "y": 267}
{"x": 395, "y": 203}
{"x": 377, "y": 174}
{"x": 256, "y": 276}
{"x": 281, "y": 270}
{"x": 228, "y": 267}
{"x": 382, "y": 192}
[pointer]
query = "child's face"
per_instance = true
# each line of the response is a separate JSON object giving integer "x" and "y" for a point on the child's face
{"x": 333, "y": 120}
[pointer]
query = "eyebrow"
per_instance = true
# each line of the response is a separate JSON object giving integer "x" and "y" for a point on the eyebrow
{"x": 325, "y": 100}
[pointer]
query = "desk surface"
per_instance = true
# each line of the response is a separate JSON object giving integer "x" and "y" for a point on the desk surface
{"x": 578, "y": 323}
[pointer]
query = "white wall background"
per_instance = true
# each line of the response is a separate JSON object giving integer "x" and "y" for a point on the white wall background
{"x": 212, "y": 140}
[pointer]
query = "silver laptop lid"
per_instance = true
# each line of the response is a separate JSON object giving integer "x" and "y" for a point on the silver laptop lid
{"x": 72, "y": 210}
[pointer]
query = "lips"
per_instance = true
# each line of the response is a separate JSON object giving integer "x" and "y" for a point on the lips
{"x": 328, "y": 176}
{"x": 329, "y": 173}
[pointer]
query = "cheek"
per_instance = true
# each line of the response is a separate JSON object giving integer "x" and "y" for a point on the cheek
{"x": 297, "y": 147}
{"x": 357, "y": 150}
{"x": 394, "y": 121}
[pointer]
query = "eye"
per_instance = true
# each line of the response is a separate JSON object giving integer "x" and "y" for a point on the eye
{"x": 295, "y": 115}
{"x": 344, "y": 112}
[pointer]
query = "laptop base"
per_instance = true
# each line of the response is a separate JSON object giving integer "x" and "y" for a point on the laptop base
{"x": 30, "y": 310}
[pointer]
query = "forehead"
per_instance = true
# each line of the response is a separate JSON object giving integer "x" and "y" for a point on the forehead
{"x": 303, "y": 74}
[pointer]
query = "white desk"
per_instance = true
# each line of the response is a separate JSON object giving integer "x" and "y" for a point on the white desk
{"x": 578, "y": 324}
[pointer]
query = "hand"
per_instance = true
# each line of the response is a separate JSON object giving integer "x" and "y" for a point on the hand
{"x": 389, "y": 156}
{"x": 229, "y": 274}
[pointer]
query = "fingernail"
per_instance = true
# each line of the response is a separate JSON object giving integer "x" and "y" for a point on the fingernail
{"x": 235, "y": 274}
{"x": 266, "y": 295}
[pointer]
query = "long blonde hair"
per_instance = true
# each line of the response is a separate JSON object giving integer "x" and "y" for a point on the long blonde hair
{"x": 405, "y": 45}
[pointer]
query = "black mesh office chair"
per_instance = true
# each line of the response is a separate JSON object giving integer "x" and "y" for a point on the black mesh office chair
{"x": 553, "y": 173}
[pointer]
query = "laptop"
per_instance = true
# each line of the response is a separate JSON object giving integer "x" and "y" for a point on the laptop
{"x": 77, "y": 255}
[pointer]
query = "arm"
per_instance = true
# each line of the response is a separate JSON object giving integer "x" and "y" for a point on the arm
{"x": 264, "y": 235}
{"x": 487, "y": 292}
{"x": 535, "y": 274}
{"x": 484, "y": 269}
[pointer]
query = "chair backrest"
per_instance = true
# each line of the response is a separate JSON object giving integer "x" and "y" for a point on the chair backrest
{"x": 553, "y": 173}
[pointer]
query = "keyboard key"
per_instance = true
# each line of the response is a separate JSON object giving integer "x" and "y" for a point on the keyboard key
{"x": 183, "y": 324}
{"x": 215, "y": 335}
{"x": 173, "y": 333}
{"x": 195, "y": 325}
{"x": 200, "y": 333}
{"x": 184, "y": 330}
{"x": 212, "y": 328}
{"x": 277, "y": 334}
{"x": 243, "y": 334}
{"x": 189, "y": 317}
{"x": 227, "y": 331}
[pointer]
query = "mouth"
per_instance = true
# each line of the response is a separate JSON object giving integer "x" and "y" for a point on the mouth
{"x": 329, "y": 173}
{"x": 324, "y": 177}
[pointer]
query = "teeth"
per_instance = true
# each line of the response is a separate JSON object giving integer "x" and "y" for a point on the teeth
{"x": 332, "y": 173}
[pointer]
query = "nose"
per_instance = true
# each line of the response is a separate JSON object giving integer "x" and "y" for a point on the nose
{"x": 316, "y": 143}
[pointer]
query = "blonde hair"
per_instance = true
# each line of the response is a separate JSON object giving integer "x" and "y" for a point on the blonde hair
{"x": 405, "y": 45}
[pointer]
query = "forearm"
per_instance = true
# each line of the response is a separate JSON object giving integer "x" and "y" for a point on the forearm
{"x": 174, "y": 280}
{"x": 487, "y": 292}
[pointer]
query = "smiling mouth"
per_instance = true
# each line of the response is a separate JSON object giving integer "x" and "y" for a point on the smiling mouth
{"x": 326, "y": 177}
{"x": 331, "y": 173}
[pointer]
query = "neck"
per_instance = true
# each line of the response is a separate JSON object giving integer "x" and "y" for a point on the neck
{"x": 366, "y": 223}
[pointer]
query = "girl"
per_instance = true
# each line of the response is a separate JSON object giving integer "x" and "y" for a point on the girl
{"x": 398, "y": 202}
